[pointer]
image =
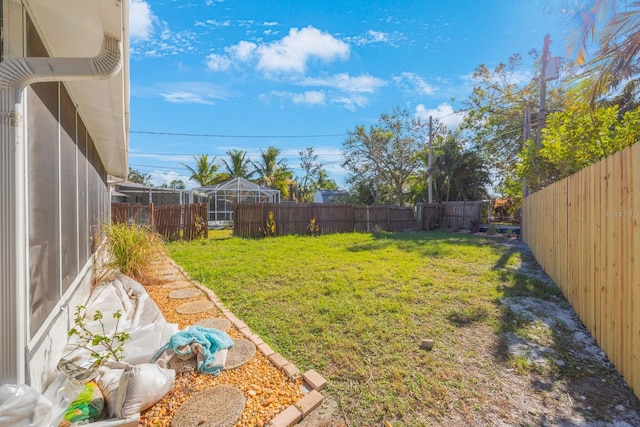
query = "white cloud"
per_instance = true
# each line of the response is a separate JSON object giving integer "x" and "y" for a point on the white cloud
{"x": 363, "y": 83}
{"x": 182, "y": 97}
{"x": 413, "y": 84}
{"x": 218, "y": 62}
{"x": 186, "y": 92}
{"x": 351, "y": 102}
{"x": 158, "y": 178}
{"x": 312, "y": 97}
{"x": 444, "y": 113}
{"x": 309, "y": 97}
{"x": 242, "y": 51}
{"x": 213, "y": 23}
{"x": 140, "y": 20}
{"x": 372, "y": 36}
{"x": 292, "y": 52}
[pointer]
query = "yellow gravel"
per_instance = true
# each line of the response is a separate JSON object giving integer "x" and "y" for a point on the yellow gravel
{"x": 266, "y": 389}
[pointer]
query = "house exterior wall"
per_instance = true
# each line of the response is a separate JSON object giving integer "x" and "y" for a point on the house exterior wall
{"x": 54, "y": 199}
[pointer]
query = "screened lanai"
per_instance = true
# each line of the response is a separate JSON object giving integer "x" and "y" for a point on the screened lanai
{"x": 238, "y": 190}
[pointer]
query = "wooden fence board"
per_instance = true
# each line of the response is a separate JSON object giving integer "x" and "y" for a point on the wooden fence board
{"x": 585, "y": 233}
{"x": 250, "y": 218}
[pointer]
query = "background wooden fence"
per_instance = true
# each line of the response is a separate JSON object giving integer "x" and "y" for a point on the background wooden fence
{"x": 250, "y": 218}
{"x": 172, "y": 222}
{"x": 585, "y": 233}
{"x": 456, "y": 215}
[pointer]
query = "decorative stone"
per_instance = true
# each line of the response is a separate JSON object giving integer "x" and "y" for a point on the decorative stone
{"x": 195, "y": 307}
{"x": 426, "y": 344}
{"x": 184, "y": 293}
{"x": 220, "y": 406}
{"x": 175, "y": 285}
{"x": 218, "y": 323}
{"x": 241, "y": 352}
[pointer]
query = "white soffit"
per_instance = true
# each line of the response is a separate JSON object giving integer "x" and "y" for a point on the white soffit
{"x": 76, "y": 28}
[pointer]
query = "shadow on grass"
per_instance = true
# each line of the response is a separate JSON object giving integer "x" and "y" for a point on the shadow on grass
{"x": 426, "y": 243}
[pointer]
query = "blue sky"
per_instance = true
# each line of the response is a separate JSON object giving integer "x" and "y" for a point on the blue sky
{"x": 295, "y": 74}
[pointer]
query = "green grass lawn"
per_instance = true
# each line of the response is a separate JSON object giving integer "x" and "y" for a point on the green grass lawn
{"x": 355, "y": 307}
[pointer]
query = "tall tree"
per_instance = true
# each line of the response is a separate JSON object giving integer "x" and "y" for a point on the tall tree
{"x": 238, "y": 165}
{"x": 138, "y": 177}
{"x": 303, "y": 187}
{"x": 273, "y": 172}
{"x": 323, "y": 182}
{"x": 576, "y": 138}
{"x": 205, "y": 170}
{"x": 384, "y": 154}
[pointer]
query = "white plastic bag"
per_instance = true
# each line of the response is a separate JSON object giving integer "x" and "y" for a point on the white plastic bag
{"x": 22, "y": 406}
{"x": 144, "y": 341}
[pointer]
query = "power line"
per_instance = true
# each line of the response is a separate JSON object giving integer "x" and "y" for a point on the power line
{"x": 210, "y": 135}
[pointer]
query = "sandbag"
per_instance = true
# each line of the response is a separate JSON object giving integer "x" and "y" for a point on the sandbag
{"x": 139, "y": 387}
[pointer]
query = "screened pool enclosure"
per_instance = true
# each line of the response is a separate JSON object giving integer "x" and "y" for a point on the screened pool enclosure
{"x": 238, "y": 190}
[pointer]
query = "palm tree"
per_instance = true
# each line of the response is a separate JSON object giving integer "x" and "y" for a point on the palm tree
{"x": 205, "y": 172}
{"x": 616, "y": 60}
{"x": 237, "y": 166}
{"x": 273, "y": 173}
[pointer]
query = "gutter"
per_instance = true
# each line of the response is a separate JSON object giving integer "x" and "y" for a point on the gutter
{"x": 18, "y": 73}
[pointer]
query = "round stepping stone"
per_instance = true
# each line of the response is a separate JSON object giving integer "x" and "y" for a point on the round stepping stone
{"x": 241, "y": 352}
{"x": 220, "y": 406}
{"x": 184, "y": 293}
{"x": 175, "y": 285}
{"x": 218, "y": 323}
{"x": 195, "y": 307}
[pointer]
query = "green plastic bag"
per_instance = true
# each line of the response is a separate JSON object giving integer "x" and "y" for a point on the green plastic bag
{"x": 87, "y": 406}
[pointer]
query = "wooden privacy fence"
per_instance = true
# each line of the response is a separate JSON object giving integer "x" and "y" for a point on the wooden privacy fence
{"x": 585, "y": 233}
{"x": 176, "y": 221}
{"x": 456, "y": 215}
{"x": 128, "y": 213}
{"x": 250, "y": 218}
{"x": 187, "y": 222}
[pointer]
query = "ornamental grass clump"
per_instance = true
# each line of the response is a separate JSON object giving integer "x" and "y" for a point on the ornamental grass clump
{"x": 131, "y": 248}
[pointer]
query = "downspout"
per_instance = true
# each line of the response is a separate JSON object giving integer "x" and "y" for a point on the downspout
{"x": 15, "y": 75}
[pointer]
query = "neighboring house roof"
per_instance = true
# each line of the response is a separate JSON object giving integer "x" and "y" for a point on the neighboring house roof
{"x": 73, "y": 29}
{"x": 329, "y": 196}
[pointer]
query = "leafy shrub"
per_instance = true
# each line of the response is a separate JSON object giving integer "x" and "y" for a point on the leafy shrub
{"x": 112, "y": 343}
{"x": 313, "y": 228}
{"x": 270, "y": 226}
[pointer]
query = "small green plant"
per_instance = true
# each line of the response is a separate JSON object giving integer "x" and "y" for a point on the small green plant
{"x": 313, "y": 228}
{"x": 200, "y": 226}
{"x": 520, "y": 364}
{"x": 270, "y": 226}
{"x": 112, "y": 343}
{"x": 130, "y": 247}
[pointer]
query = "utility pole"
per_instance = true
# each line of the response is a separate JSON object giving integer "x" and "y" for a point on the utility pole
{"x": 526, "y": 131}
{"x": 430, "y": 158}
{"x": 543, "y": 90}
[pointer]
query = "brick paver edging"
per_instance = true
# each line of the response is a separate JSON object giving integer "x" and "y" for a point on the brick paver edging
{"x": 313, "y": 381}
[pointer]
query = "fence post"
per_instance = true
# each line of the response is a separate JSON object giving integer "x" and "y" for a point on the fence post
{"x": 152, "y": 221}
{"x": 388, "y": 219}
